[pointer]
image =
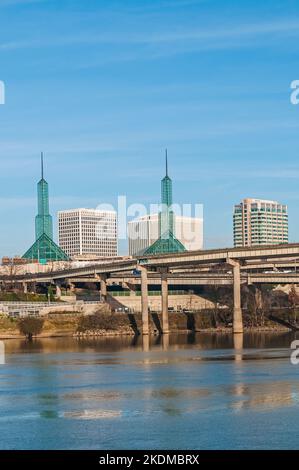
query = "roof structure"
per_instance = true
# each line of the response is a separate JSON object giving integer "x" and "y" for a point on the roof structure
{"x": 170, "y": 244}
{"x": 44, "y": 249}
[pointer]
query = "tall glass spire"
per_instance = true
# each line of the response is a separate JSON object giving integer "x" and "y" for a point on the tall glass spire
{"x": 44, "y": 249}
{"x": 43, "y": 220}
{"x": 166, "y": 215}
{"x": 167, "y": 242}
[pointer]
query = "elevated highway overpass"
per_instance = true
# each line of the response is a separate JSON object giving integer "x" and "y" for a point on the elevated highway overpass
{"x": 248, "y": 258}
{"x": 204, "y": 279}
{"x": 240, "y": 261}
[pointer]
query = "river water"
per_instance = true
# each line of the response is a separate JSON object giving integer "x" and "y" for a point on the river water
{"x": 203, "y": 391}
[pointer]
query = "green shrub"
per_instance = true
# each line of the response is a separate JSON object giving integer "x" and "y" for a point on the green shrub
{"x": 21, "y": 297}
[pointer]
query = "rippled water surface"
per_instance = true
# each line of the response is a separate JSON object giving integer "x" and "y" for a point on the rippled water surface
{"x": 180, "y": 392}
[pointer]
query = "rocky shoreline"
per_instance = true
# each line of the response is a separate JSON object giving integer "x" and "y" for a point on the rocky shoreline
{"x": 126, "y": 325}
{"x": 113, "y": 333}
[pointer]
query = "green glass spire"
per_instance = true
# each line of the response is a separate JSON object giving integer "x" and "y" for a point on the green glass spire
{"x": 167, "y": 242}
{"x": 43, "y": 220}
{"x": 166, "y": 185}
{"x": 44, "y": 249}
{"x": 166, "y": 217}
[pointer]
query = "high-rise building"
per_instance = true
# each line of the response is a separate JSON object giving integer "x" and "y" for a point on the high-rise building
{"x": 144, "y": 232}
{"x": 44, "y": 248}
{"x": 260, "y": 222}
{"x": 167, "y": 241}
{"x": 88, "y": 232}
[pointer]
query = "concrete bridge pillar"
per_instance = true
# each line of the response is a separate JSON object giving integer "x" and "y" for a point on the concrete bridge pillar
{"x": 237, "y": 313}
{"x": 164, "y": 294}
{"x": 238, "y": 320}
{"x": 25, "y": 287}
{"x": 145, "y": 343}
{"x": 238, "y": 346}
{"x": 144, "y": 300}
{"x": 103, "y": 283}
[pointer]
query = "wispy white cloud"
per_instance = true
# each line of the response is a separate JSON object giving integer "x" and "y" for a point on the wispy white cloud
{"x": 209, "y": 38}
{"x": 25, "y": 153}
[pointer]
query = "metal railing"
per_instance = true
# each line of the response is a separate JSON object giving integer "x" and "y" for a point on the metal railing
{"x": 17, "y": 309}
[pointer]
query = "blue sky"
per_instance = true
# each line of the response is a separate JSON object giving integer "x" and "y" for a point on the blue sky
{"x": 103, "y": 86}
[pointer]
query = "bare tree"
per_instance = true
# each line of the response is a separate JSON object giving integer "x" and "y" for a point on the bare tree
{"x": 11, "y": 270}
{"x": 293, "y": 301}
{"x": 252, "y": 307}
{"x": 266, "y": 301}
{"x": 59, "y": 266}
{"x": 216, "y": 298}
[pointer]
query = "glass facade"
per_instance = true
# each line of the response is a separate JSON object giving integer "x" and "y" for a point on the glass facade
{"x": 44, "y": 249}
{"x": 259, "y": 222}
{"x": 167, "y": 245}
{"x": 166, "y": 216}
{"x": 167, "y": 242}
{"x": 43, "y": 220}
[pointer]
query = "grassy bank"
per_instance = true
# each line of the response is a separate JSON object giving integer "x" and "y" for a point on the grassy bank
{"x": 21, "y": 297}
{"x": 64, "y": 325}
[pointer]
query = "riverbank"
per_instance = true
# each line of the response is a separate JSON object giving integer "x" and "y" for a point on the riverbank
{"x": 123, "y": 324}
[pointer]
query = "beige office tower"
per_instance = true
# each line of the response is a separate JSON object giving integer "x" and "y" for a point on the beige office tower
{"x": 144, "y": 231}
{"x": 260, "y": 222}
{"x": 88, "y": 232}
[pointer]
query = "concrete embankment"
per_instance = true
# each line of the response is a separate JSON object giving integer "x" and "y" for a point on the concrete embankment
{"x": 176, "y": 302}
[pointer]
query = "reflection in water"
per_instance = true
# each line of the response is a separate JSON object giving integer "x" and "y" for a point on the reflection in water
{"x": 165, "y": 342}
{"x": 90, "y": 395}
{"x": 238, "y": 341}
{"x": 274, "y": 395}
{"x": 49, "y": 414}
{"x": 92, "y": 414}
{"x": 48, "y": 398}
{"x": 145, "y": 343}
{"x": 238, "y": 345}
{"x": 2, "y": 353}
{"x": 203, "y": 341}
{"x": 171, "y": 391}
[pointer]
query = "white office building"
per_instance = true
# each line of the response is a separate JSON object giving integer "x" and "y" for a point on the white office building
{"x": 144, "y": 231}
{"x": 260, "y": 222}
{"x": 88, "y": 232}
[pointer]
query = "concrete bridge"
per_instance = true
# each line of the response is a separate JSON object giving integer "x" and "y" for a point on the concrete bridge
{"x": 240, "y": 261}
{"x": 201, "y": 279}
